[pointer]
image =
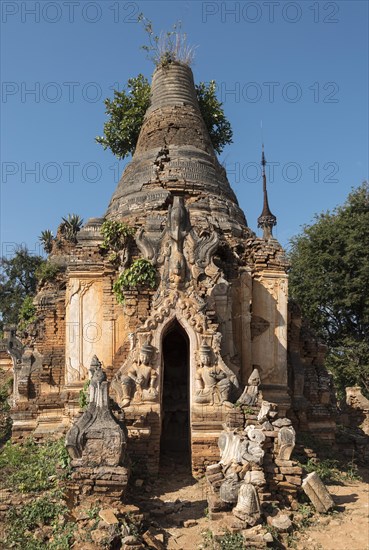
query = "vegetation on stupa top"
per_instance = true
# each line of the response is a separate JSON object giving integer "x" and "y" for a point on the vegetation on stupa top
{"x": 167, "y": 47}
{"x": 329, "y": 279}
{"x": 126, "y": 111}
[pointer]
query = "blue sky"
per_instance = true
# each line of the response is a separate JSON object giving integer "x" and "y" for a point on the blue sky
{"x": 300, "y": 67}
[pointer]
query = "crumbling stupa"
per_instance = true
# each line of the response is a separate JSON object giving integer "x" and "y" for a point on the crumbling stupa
{"x": 177, "y": 356}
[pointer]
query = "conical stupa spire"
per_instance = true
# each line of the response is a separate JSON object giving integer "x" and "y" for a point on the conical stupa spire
{"x": 266, "y": 220}
{"x": 174, "y": 154}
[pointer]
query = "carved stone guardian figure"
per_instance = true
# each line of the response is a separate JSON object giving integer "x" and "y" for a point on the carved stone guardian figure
{"x": 138, "y": 384}
{"x": 97, "y": 444}
{"x": 97, "y": 438}
{"x": 213, "y": 384}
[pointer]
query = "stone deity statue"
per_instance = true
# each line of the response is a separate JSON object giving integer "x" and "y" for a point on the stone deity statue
{"x": 138, "y": 383}
{"x": 213, "y": 384}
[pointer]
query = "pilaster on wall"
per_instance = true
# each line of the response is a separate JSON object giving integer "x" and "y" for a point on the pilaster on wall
{"x": 269, "y": 331}
{"x": 91, "y": 327}
{"x": 241, "y": 307}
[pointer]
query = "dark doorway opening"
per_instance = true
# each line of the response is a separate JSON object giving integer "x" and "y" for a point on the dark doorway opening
{"x": 175, "y": 433}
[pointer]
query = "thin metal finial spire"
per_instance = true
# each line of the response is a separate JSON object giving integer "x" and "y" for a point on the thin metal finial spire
{"x": 266, "y": 220}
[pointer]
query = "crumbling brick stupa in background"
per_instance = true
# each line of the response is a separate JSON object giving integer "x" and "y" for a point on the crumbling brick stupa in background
{"x": 178, "y": 356}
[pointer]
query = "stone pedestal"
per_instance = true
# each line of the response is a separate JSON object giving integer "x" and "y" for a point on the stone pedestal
{"x": 97, "y": 444}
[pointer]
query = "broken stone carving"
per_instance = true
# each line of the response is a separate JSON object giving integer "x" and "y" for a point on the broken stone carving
{"x": 248, "y": 506}
{"x": 255, "y": 448}
{"x": 138, "y": 384}
{"x": 251, "y": 391}
{"x": 97, "y": 444}
{"x": 317, "y": 493}
{"x": 229, "y": 488}
{"x": 235, "y": 447}
{"x": 286, "y": 442}
{"x": 97, "y": 439}
{"x": 255, "y": 434}
{"x": 30, "y": 361}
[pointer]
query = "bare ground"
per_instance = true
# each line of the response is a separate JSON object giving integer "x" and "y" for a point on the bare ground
{"x": 348, "y": 527}
{"x": 177, "y": 506}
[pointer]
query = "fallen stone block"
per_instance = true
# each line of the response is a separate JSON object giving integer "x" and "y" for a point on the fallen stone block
{"x": 213, "y": 469}
{"x": 282, "y": 523}
{"x": 317, "y": 492}
{"x": 107, "y": 515}
{"x": 214, "y": 478}
{"x": 189, "y": 523}
{"x": 295, "y": 480}
{"x": 152, "y": 541}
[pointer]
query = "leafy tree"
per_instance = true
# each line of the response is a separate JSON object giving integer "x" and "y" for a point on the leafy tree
{"x": 27, "y": 312}
{"x": 48, "y": 271}
{"x": 218, "y": 126}
{"x": 17, "y": 281}
{"x": 330, "y": 280}
{"x": 127, "y": 110}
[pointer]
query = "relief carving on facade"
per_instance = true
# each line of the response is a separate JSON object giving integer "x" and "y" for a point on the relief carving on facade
{"x": 83, "y": 310}
{"x": 283, "y": 285}
{"x": 180, "y": 252}
{"x": 213, "y": 385}
{"x": 187, "y": 306}
{"x": 136, "y": 380}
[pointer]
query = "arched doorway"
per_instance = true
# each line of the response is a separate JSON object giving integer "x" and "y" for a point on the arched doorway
{"x": 175, "y": 435}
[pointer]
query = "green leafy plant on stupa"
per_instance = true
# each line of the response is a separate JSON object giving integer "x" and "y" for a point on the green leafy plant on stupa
{"x": 141, "y": 274}
{"x": 126, "y": 111}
